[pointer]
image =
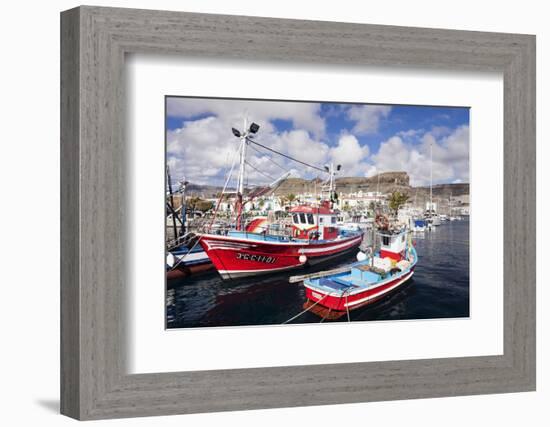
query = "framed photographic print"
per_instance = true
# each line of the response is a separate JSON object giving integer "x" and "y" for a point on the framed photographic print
{"x": 292, "y": 213}
{"x": 339, "y": 197}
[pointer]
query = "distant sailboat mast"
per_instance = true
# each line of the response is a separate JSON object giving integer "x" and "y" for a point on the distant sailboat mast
{"x": 378, "y": 190}
{"x": 431, "y": 178}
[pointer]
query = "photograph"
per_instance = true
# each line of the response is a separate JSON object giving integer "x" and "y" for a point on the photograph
{"x": 284, "y": 212}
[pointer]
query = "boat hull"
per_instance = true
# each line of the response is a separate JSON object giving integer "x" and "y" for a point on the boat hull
{"x": 237, "y": 257}
{"x": 342, "y": 303}
{"x": 184, "y": 270}
{"x": 183, "y": 262}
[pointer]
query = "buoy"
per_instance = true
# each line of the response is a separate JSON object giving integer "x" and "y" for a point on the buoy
{"x": 361, "y": 256}
{"x": 170, "y": 259}
{"x": 302, "y": 259}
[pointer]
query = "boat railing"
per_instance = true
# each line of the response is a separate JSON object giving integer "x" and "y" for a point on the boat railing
{"x": 180, "y": 240}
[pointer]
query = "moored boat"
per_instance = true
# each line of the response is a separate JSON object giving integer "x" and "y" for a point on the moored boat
{"x": 334, "y": 294}
{"x": 182, "y": 261}
{"x": 313, "y": 239}
{"x": 419, "y": 225}
{"x": 260, "y": 247}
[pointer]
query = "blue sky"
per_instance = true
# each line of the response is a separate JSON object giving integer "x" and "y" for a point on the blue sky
{"x": 364, "y": 138}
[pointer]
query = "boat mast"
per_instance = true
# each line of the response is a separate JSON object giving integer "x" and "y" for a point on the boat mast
{"x": 183, "y": 188}
{"x": 169, "y": 181}
{"x": 240, "y": 185}
{"x": 332, "y": 182}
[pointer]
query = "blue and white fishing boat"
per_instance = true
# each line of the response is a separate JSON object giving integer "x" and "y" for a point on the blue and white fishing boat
{"x": 419, "y": 225}
{"x": 182, "y": 261}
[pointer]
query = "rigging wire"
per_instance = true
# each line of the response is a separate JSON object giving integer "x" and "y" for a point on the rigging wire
{"x": 259, "y": 171}
{"x": 287, "y": 156}
{"x": 268, "y": 158}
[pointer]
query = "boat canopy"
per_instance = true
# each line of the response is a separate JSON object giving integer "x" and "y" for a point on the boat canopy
{"x": 322, "y": 210}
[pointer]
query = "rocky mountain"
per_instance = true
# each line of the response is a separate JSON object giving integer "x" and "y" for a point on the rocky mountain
{"x": 385, "y": 182}
{"x": 204, "y": 191}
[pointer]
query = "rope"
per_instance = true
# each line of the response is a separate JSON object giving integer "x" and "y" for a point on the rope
{"x": 345, "y": 294}
{"x": 328, "y": 314}
{"x": 260, "y": 172}
{"x": 223, "y": 191}
{"x": 347, "y": 308}
{"x": 304, "y": 311}
{"x": 268, "y": 158}
{"x": 287, "y": 156}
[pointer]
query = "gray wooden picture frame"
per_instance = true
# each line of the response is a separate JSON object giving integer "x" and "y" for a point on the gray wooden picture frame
{"x": 94, "y": 381}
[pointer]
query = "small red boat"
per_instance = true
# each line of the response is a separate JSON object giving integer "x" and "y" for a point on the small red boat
{"x": 333, "y": 294}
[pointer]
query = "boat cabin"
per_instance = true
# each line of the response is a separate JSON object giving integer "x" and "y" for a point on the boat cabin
{"x": 314, "y": 222}
{"x": 393, "y": 245}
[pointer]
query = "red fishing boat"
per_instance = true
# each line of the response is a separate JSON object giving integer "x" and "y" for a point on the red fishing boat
{"x": 262, "y": 248}
{"x": 314, "y": 238}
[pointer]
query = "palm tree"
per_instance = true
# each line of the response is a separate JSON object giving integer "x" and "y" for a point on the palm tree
{"x": 291, "y": 197}
{"x": 397, "y": 199}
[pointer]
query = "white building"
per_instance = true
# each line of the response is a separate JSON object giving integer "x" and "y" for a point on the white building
{"x": 360, "y": 199}
{"x": 431, "y": 206}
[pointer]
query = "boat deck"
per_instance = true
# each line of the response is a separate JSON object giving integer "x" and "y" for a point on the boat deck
{"x": 360, "y": 276}
{"x": 335, "y": 285}
{"x": 274, "y": 238}
{"x": 343, "y": 281}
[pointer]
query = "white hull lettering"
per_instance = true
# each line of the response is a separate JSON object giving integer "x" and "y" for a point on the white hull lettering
{"x": 257, "y": 258}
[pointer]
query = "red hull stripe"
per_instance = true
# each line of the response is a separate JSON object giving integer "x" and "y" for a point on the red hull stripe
{"x": 341, "y": 302}
{"x": 335, "y": 247}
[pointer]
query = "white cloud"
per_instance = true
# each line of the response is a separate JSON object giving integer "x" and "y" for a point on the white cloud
{"x": 450, "y": 157}
{"x": 203, "y": 150}
{"x": 298, "y": 144}
{"x": 303, "y": 115}
{"x": 367, "y": 117}
{"x": 350, "y": 154}
{"x": 438, "y": 131}
{"x": 411, "y": 133}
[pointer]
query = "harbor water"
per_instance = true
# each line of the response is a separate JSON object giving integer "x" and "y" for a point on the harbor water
{"x": 438, "y": 289}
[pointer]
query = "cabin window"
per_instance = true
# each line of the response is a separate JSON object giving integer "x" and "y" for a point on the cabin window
{"x": 303, "y": 218}
{"x": 320, "y": 220}
{"x": 295, "y": 218}
{"x": 385, "y": 240}
{"x": 310, "y": 219}
{"x": 333, "y": 220}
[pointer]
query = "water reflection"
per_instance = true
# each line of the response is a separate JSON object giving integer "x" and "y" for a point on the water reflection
{"x": 438, "y": 289}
